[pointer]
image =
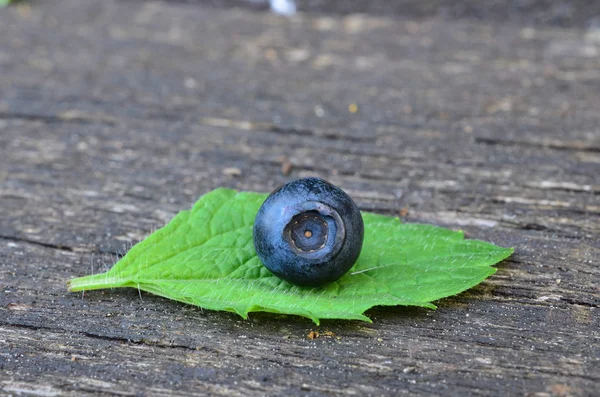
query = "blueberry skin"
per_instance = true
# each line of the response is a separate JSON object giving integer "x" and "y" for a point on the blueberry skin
{"x": 308, "y": 232}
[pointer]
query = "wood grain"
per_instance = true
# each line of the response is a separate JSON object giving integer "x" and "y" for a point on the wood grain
{"x": 115, "y": 115}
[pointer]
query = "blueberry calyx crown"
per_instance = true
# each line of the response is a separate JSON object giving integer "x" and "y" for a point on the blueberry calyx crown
{"x": 315, "y": 227}
{"x": 308, "y": 232}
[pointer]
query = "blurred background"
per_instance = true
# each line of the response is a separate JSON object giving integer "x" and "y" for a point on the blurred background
{"x": 580, "y": 13}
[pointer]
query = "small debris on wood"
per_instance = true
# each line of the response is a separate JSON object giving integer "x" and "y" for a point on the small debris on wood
{"x": 232, "y": 172}
{"x": 404, "y": 211}
{"x": 315, "y": 334}
{"x": 561, "y": 390}
{"x": 271, "y": 55}
{"x": 319, "y": 111}
{"x": 283, "y": 7}
{"x": 286, "y": 165}
{"x": 18, "y": 307}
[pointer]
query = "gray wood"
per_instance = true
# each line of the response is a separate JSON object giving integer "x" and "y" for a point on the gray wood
{"x": 573, "y": 13}
{"x": 116, "y": 115}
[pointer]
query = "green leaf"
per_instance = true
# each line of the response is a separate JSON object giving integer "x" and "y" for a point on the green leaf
{"x": 4, "y": 3}
{"x": 205, "y": 257}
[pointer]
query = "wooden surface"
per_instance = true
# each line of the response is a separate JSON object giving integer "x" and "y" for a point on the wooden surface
{"x": 114, "y": 115}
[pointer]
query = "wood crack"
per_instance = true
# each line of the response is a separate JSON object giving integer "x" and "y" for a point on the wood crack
{"x": 39, "y": 243}
{"x": 324, "y": 135}
{"x": 110, "y": 338}
{"x": 67, "y": 117}
{"x": 61, "y": 247}
{"x": 580, "y": 146}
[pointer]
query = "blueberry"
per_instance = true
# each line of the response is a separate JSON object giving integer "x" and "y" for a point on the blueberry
{"x": 308, "y": 232}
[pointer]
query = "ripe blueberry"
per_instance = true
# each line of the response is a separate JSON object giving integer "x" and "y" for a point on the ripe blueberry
{"x": 308, "y": 232}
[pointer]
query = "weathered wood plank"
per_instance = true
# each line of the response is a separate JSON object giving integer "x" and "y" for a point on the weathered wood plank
{"x": 116, "y": 115}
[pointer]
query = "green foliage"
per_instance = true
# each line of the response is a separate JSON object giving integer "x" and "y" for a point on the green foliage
{"x": 205, "y": 257}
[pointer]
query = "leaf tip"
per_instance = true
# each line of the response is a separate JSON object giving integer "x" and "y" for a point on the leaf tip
{"x": 507, "y": 252}
{"x": 366, "y": 319}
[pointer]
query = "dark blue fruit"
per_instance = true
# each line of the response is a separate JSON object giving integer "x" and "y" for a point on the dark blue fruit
{"x": 308, "y": 232}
